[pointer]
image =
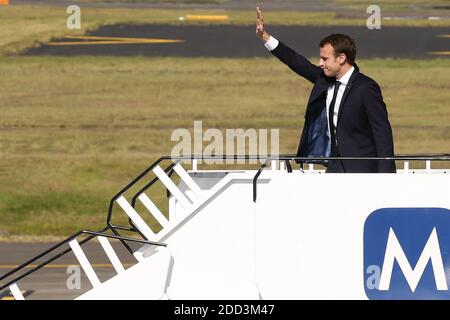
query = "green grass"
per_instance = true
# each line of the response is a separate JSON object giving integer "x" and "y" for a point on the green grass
{"x": 75, "y": 130}
{"x": 22, "y": 27}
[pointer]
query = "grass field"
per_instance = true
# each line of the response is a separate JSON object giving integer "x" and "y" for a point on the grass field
{"x": 75, "y": 130}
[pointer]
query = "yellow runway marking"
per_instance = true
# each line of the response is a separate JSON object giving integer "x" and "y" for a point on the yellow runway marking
{"x": 192, "y": 17}
{"x": 93, "y": 40}
{"x": 60, "y": 266}
{"x": 446, "y": 53}
{"x": 7, "y": 296}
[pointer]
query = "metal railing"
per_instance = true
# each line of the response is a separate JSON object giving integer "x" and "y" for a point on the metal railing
{"x": 91, "y": 235}
{"x": 288, "y": 159}
{"x": 174, "y": 160}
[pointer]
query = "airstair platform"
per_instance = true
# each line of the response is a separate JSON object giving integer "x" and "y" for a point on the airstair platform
{"x": 273, "y": 232}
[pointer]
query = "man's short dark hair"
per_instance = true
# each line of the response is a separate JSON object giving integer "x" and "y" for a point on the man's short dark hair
{"x": 341, "y": 43}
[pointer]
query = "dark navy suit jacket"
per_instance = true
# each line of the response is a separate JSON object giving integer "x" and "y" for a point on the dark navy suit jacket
{"x": 363, "y": 128}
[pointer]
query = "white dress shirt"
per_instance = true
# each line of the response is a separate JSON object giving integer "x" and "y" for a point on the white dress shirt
{"x": 344, "y": 81}
{"x": 272, "y": 43}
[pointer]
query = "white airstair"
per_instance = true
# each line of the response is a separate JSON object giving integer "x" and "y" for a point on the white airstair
{"x": 272, "y": 233}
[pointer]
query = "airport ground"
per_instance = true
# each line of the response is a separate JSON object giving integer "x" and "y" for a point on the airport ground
{"x": 75, "y": 129}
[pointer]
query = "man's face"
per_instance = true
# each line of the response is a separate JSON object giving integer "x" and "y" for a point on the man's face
{"x": 330, "y": 64}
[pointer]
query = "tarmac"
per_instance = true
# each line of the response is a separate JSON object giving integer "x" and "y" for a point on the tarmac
{"x": 226, "y": 41}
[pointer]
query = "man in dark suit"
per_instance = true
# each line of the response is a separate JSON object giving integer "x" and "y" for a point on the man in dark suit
{"x": 346, "y": 115}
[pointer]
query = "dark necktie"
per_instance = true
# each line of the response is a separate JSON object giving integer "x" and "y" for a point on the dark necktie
{"x": 330, "y": 120}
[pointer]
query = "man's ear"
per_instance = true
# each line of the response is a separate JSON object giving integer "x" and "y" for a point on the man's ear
{"x": 342, "y": 58}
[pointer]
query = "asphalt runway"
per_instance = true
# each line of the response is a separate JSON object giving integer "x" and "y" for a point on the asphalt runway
{"x": 240, "y": 41}
{"x": 54, "y": 282}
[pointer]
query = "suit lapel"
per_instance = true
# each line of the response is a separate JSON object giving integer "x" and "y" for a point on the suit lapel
{"x": 347, "y": 91}
{"x": 321, "y": 85}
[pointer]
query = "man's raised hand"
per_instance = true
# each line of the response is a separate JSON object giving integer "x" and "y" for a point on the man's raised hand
{"x": 260, "y": 32}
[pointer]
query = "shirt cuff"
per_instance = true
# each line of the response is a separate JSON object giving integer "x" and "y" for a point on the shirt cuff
{"x": 271, "y": 44}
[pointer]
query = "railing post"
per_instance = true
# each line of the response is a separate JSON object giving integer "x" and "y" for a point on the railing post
{"x": 273, "y": 165}
{"x": 427, "y": 166}
{"x": 111, "y": 254}
{"x": 136, "y": 218}
{"x": 170, "y": 185}
{"x": 84, "y": 262}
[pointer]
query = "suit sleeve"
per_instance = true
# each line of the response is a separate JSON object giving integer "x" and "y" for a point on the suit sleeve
{"x": 296, "y": 62}
{"x": 380, "y": 126}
